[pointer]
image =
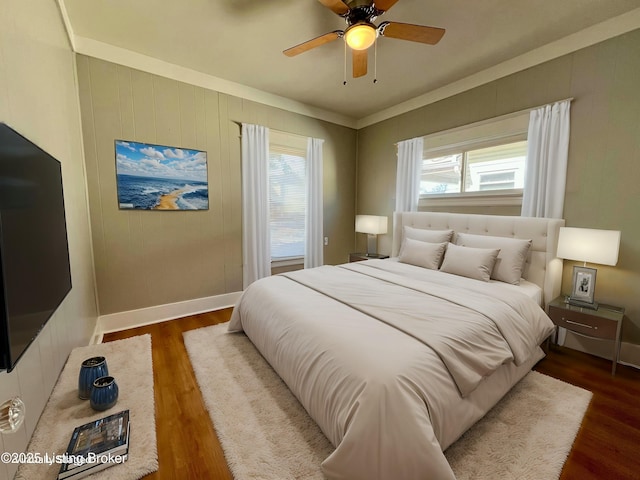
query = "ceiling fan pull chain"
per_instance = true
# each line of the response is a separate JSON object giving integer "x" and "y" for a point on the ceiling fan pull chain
{"x": 344, "y": 73}
{"x": 375, "y": 61}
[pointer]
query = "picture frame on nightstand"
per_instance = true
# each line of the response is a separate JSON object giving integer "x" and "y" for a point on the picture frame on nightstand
{"x": 584, "y": 285}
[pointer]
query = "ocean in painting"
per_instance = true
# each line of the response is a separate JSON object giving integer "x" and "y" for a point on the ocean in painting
{"x": 144, "y": 192}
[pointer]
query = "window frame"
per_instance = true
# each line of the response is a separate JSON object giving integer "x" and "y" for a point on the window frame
{"x": 501, "y": 130}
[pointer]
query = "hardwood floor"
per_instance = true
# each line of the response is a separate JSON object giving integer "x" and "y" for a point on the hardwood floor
{"x": 188, "y": 447}
{"x": 607, "y": 446}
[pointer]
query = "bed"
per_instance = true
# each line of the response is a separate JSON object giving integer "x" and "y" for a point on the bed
{"x": 395, "y": 359}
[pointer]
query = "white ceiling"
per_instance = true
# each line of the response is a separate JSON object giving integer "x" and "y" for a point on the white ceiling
{"x": 241, "y": 41}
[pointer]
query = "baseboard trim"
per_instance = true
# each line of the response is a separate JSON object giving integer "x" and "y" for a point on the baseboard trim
{"x": 630, "y": 354}
{"x": 160, "y": 313}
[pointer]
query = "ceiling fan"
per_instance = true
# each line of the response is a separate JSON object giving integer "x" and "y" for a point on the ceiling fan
{"x": 361, "y": 32}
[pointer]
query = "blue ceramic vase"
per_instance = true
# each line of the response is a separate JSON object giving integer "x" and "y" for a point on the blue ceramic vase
{"x": 104, "y": 393}
{"x": 91, "y": 368}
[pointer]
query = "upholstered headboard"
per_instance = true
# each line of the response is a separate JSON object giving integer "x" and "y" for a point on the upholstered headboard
{"x": 542, "y": 267}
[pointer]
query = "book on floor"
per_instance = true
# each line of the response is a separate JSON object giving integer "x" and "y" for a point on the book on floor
{"x": 97, "y": 445}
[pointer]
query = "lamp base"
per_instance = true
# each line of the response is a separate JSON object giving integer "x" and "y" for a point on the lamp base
{"x": 580, "y": 303}
{"x": 372, "y": 244}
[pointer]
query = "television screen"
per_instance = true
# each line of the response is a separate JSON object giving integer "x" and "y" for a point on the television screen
{"x": 34, "y": 253}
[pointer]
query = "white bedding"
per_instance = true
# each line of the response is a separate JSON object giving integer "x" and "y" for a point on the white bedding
{"x": 525, "y": 287}
{"x": 370, "y": 374}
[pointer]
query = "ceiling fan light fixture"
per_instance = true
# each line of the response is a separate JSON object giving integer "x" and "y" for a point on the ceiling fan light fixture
{"x": 360, "y": 36}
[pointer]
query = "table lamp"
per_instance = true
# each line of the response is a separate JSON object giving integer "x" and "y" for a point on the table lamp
{"x": 373, "y": 226}
{"x": 587, "y": 245}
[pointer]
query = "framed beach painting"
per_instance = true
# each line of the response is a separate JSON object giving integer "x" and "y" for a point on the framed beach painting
{"x": 157, "y": 177}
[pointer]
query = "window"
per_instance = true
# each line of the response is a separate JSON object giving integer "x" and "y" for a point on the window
{"x": 482, "y": 162}
{"x": 287, "y": 197}
{"x": 499, "y": 167}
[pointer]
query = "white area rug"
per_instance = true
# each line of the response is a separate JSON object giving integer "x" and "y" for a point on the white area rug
{"x": 267, "y": 434}
{"x": 130, "y": 363}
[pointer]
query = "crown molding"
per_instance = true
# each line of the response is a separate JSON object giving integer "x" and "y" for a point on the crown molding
{"x": 590, "y": 36}
{"x": 138, "y": 61}
{"x": 584, "y": 38}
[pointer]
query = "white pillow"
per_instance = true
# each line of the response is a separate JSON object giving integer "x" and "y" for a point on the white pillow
{"x": 511, "y": 259}
{"x": 469, "y": 262}
{"x": 422, "y": 254}
{"x": 431, "y": 236}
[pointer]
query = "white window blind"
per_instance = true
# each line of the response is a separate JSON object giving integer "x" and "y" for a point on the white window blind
{"x": 287, "y": 201}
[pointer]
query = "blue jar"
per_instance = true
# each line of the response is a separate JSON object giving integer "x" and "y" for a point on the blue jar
{"x": 91, "y": 368}
{"x": 104, "y": 393}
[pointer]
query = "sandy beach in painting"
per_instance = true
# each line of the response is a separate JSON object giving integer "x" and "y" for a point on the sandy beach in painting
{"x": 168, "y": 201}
{"x": 150, "y": 193}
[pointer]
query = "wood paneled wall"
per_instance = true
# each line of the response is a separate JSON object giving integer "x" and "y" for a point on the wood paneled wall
{"x": 149, "y": 258}
{"x": 38, "y": 98}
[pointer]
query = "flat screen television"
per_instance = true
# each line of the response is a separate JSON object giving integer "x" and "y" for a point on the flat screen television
{"x": 34, "y": 254}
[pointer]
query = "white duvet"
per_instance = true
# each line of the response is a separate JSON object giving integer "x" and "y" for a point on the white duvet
{"x": 393, "y": 362}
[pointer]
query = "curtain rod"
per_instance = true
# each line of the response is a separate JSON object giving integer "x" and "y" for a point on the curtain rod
{"x": 518, "y": 112}
{"x": 493, "y": 119}
{"x": 273, "y": 130}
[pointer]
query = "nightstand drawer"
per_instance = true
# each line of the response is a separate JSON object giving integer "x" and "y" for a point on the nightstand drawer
{"x": 584, "y": 323}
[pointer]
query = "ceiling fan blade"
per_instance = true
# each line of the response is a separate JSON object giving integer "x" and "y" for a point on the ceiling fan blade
{"x": 313, "y": 43}
{"x": 413, "y": 33}
{"x": 384, "y": 5}
{"x": 359, "y": 61}
{"x": 337, "y": 6}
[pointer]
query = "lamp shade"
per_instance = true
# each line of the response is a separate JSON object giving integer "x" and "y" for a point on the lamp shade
{"x": 589, "y": 245}
{"x": 371, "y": 224}
{"x": 360, "y": 36}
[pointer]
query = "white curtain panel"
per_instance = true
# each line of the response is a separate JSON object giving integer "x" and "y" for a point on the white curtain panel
{"x": 314, "y": 231}
{"x": 256, "y": 237}
{"x": 408, "y": 174}
{"x": 547, "y": 154}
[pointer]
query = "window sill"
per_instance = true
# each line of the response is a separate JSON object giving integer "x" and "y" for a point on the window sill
{"x": 287, "y": 262}
{"x": 472, "y": 199}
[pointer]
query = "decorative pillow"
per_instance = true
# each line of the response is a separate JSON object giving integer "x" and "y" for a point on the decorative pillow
{"x": 422, "y": 254}
{"x": 469, "y": 262}
{"x": 511, "y": 259}
{"x": 431, "y": 236}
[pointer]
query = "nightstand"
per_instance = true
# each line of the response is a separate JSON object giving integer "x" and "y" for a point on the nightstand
{"x": 604, "y": 323}
{"x": 358, "y": 257}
